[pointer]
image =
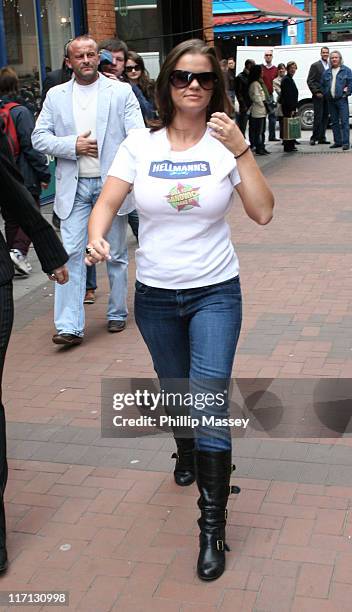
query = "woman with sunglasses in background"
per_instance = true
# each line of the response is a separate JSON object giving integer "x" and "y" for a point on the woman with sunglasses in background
{"x": 138, "y": 76}
{"x": 188, "y": 297}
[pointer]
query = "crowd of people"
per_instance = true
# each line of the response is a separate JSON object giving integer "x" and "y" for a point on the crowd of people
{"x": 265, "y": 93}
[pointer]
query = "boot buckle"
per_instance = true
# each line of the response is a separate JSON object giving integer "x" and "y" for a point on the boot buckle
{"x": 220, "y": 545}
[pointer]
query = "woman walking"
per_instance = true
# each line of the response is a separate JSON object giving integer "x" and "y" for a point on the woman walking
{"x": 188, "y": 295}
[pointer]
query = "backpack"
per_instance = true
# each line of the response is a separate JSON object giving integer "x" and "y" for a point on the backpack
{"x": 9, "y": 127}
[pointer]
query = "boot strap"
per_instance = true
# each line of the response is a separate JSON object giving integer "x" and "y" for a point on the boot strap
{"x": 220, "y": 545}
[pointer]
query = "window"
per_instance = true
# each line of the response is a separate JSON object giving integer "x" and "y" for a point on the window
{"x": 21, "y": 39}
{"x": 57, "y": 27}
{"x": 137, "y": 23}
{"x": 337, "y": 12}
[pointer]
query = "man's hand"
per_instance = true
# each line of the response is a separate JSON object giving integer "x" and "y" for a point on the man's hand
{"x": 86, "y": 146}
{"x": 111, "y": 76}
{"x": 60, "y": 275}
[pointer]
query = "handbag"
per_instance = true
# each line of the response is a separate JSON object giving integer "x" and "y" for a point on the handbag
{"x": 291, "y": 128}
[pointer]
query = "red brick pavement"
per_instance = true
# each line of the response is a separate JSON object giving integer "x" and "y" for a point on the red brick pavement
{"x": 131, "y": 534}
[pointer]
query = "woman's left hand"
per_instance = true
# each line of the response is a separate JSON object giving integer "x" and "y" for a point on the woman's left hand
{"x": 226, "y": 131}
{"x": 97, "y": 251}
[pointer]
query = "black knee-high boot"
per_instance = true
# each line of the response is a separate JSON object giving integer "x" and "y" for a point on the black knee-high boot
{"x": 3, "y": 481}
{"x": 184, "y": 472}
{"x": 213, "y": 471}
{"x": 3, "y": 551}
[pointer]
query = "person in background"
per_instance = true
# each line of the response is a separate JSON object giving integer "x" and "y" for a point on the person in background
{"x": 269, "y": 74}
{"x": 116, "y": 70}
{"x": 242, "y": 95}
{"x": 281, "y": 71}
{"x": 289, "y": 100}
{"x": 231, "y": 71}
{"x": 258, "y": 111}
{"x": 16, "y": 199}
{"x": 53, "y": 78}
{"x": 56, "y": 77}
{"x": 188, "y": 296}
{"x": 337, "y": 86}
{"x": 82, "y": 124}
{"x": 320, "y": 101}
{"x": 138, "y": 76}
{"x": 32, "y": 165}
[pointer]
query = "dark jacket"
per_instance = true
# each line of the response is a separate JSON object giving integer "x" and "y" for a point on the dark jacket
{"x": 315, "y": 76}
{"x": 17, "y": 200}
{"x": 147, "y": 106}
{"x": 289, "y": 95}
{"x": 232, "y": 77}
{"x": 56, "y": 77}
{"x": 343, "y": 79}
{"x": 241, "y": 91}
{"x": 31, "y": 163}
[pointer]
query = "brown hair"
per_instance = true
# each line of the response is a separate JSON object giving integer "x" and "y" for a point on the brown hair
{"x": 113, "y": 45}
{"x": 144, "y": 81}
{"x": 289, "y": 64}
{"x": 8, "y": 81}
{"x": 219, "y": 102}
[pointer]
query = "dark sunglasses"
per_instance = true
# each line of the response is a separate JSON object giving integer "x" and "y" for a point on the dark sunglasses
{"x": 182, "y": 78}
{"x": 131, "y": 68}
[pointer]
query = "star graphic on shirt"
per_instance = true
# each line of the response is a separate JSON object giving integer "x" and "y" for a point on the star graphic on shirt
{"x": 183, "y": 197}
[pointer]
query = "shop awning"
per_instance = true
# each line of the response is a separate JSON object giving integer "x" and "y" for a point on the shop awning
{"x": 279, "y": 8}
{"x": 260, "y": 8}
{"x": 245, "y": 18}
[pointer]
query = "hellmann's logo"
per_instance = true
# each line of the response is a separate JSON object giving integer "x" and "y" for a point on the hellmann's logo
{"x": 171, "y": 170}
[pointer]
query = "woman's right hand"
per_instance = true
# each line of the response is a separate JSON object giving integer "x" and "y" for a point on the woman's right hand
{"x": 96, "y": 251}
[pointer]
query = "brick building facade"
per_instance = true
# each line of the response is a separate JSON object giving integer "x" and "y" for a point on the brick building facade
{"x": 174, "y": 15}
{"x": 101, "y": 18}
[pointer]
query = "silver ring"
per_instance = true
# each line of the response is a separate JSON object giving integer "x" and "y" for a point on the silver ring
{"x": 53, "y": 276}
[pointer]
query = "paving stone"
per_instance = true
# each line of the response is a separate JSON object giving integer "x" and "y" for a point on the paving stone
{"x": 132, "y": 531}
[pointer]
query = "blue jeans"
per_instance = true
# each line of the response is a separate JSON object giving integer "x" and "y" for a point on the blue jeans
{"x": 69, "y": 309}
{"x": 91, "y": 280}
{"x": 192, "y": 334}
{"x": 340, "y": 123}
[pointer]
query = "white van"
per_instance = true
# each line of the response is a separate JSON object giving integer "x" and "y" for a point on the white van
{"x": 304, "y": 56}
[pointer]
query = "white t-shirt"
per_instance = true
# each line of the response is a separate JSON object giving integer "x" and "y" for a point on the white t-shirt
{"x": 182, "y": 198}
{"x": 85, "y": 100}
